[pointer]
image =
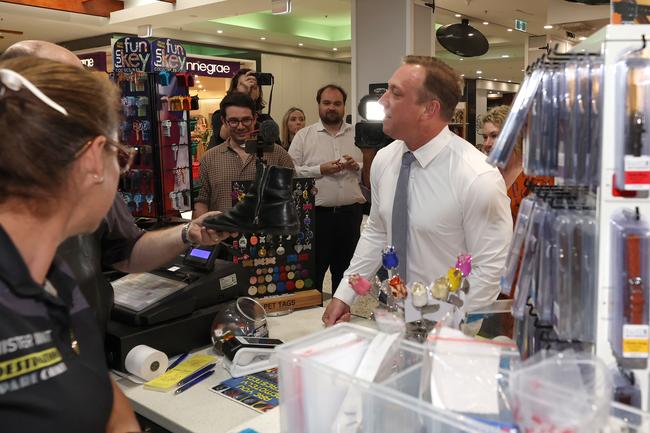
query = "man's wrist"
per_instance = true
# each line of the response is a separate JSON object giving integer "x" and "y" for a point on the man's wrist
{"x": 185, "y": 235}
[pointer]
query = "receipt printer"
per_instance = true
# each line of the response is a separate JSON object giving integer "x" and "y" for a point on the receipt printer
{"x": 193, "y": 281}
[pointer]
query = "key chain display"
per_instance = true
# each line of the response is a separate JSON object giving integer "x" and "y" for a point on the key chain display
{"x": 279, "y": 264}
{"x": 156, "y": 126}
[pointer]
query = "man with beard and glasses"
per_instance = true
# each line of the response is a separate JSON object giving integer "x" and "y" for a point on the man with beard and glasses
{"x": 228, "y": 161}
{"x": 326, "y": 151}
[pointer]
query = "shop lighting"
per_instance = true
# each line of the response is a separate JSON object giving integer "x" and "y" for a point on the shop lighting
{"x": 300, "y": 44}
{"x": 548, "y": 27}
{"x": 263, "y": 38}
{"x": 485, "y": 23}
{"x": 219, "y": 31}
{"x": 335, "y": 49}
{"x": 479, "y": 72}
{"x": 505, "y": 56}
{"x": 509, "y": 30}
{"x": 457, "y": 15}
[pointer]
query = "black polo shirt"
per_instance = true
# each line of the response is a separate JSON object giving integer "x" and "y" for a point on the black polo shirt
{"x": 44, "y": 384}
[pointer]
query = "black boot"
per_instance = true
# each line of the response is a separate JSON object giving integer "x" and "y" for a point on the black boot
{"x": 267, "y": 207}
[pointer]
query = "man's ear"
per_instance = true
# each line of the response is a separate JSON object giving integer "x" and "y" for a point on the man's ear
{"x": 432, "y": 109}
{"x": 91, "y": 160}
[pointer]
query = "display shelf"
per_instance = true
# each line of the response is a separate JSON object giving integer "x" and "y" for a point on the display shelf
{"x": 612, "y": 41}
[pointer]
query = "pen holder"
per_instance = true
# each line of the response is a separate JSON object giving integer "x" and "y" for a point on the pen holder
{"x": 244, "y": 316}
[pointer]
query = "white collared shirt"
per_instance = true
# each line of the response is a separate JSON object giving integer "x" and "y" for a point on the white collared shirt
{"x": 457, "y": 203}
{"x": 314, "y": 145}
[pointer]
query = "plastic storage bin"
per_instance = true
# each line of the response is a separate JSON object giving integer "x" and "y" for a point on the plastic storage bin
{"x": 317, "y": 380}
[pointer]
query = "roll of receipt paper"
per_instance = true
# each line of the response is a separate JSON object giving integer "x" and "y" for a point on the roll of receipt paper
{"x": 146, "y": 362}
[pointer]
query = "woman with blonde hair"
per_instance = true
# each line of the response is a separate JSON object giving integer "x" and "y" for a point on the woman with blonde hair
{"x": 292, "y": 122}
{"x": 513, "y": 173}
{"x": 58, "y": 178}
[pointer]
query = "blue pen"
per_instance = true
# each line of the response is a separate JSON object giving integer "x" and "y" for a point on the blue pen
{"x": 178, "y": 360}
{"x": 194, "y": 382}
{"x": 196, "y": 374}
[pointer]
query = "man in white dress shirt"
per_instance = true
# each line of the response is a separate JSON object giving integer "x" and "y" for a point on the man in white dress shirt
{"x": 456, "y": 201}
{"x": 326, "y": 151}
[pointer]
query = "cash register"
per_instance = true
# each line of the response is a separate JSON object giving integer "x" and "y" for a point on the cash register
{"x": 171, "y": 308}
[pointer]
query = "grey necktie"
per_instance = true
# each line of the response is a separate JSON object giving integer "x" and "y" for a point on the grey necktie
{"x": 400, "y": 225}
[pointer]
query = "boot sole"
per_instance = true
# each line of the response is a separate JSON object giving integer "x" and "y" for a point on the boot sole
{"x": 274, "y": 231}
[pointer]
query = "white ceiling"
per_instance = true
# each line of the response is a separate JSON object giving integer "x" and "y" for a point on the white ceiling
{"x": 189, "y": 20}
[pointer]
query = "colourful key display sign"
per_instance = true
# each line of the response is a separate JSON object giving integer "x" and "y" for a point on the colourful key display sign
{"x": 168, "y": 55}
{"x": 134, "y": 54}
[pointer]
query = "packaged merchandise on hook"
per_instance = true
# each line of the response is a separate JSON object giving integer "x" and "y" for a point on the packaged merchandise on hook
{"x": 551, "y": 269}
{"x": 630, "y": 254}
{"x": 557, "y": 112}
{"x": 632, "y": 120}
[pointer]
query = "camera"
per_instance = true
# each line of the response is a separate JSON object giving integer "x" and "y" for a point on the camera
{"x": 369, "y": 133}
{"x": 264, "y": 78}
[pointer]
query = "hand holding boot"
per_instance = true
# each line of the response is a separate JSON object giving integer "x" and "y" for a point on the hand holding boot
{"x": 201, "y": 235}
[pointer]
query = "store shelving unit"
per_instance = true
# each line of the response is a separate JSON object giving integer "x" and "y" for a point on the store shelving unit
{"x": 612, "y": 41}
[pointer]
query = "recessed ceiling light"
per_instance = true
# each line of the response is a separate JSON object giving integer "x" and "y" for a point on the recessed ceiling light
{"x": 470, "y": 34}
{"x": 263, "y": 38}
{"x": 335, "y": 49}
{"x": 509, "y": 30}
{"x": 582, "y": 38}
{"x": 462, "y": 75}
{"x": 523, "y": 70}
{"x": 200, "y": 86}
{"x": 479, "y": 72}
{"x": 480, "y": 77}
{"x": 485, "y": 23}
{"x": 457, "y": 15}
{"x": 300, "y": 44}
{"x": 548, "y": 26}
{"x": 461, "y": 59}
{"x": 509, "y": 81}
{"x": 219, "y": 31}
{"x": 505, "y": 56}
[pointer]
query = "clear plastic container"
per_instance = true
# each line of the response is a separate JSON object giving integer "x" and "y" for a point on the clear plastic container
{"x": 317, "y": 374}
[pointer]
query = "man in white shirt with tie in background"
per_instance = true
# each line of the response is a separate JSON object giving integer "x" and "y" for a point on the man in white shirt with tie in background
{"x": 326, "y": 151}
{"x": 448, "y": 199}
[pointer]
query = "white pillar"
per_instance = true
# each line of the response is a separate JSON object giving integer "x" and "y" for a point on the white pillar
{"x": 384, "y": 31}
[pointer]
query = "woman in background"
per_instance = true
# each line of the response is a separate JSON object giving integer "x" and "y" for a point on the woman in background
{"x": 58, "y": 178}
{"x": 292, "y": 122}
{"x": 513, "y": 173}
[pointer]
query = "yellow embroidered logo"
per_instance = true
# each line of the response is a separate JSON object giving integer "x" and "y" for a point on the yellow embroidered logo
{"x": 28, "y": 363}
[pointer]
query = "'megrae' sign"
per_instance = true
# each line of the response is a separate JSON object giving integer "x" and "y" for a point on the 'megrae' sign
{"x": 131, "y": 54}
{"x": 168, "y": 55}
{"x": 212, "y": 67}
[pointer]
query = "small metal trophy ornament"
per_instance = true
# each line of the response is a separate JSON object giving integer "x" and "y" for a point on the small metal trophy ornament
{"x": 442, "y": 300}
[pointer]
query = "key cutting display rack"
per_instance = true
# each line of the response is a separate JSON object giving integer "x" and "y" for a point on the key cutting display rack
{"x": 156, "y": 105}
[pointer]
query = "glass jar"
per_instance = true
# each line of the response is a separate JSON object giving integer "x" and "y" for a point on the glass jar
{"x": 244, "y": 316}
